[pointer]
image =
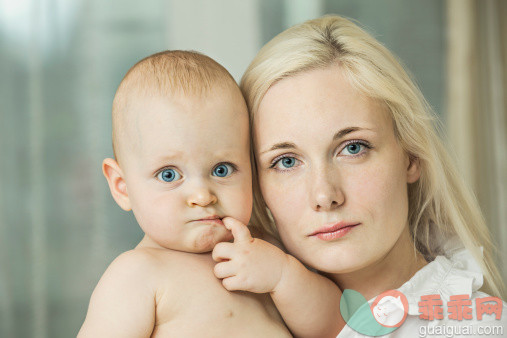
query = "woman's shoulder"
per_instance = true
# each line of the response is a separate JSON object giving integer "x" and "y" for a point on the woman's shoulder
{"x": 443, "y": 299}
{"x": 455, "y": 273}
{"x": 447, "y": 292}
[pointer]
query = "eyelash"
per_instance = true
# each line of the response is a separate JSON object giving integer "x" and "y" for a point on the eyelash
{"x": 365, "y": 144}
{"x": 278, "y": 159}
{"x": 158, "y": 172}
{"x": 232, "y": 165}
{"x": 234, "y": 168}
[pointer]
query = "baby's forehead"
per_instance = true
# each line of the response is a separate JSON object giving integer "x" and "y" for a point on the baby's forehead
{"x": 169, "y": 73}
{"x": 150, "y": 106}
{"x": 183, "y": 113}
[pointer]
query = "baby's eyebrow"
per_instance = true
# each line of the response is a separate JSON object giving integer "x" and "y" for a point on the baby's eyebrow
{"x": 167, "y": 157}
{"x": 224, "y": 154}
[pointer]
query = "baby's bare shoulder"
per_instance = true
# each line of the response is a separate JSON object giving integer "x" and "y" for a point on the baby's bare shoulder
{"x": 162, "y": 268}
{"x": 155, "y": 258}
{"x": 130, "y": 270}
{"x": 123, "y": 302}
{"x": 132, "y": 264}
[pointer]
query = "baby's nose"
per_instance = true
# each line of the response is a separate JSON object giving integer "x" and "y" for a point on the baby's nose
{"x": 201, "y": 196}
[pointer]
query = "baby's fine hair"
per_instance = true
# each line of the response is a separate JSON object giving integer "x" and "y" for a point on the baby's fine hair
{"x": 166, "y": 74}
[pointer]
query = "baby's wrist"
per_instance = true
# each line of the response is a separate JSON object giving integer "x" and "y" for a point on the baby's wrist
{"x": 286, "y": 268}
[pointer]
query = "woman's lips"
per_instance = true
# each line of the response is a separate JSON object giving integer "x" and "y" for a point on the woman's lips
{"x": 334, "y": 231}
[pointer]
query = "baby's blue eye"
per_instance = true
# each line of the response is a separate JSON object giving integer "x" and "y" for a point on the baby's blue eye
{"x": 169, "y": 175}
{"x": 223, "y": 170}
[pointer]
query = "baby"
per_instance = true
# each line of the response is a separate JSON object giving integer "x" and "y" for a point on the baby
{"x": 182, "y": 165}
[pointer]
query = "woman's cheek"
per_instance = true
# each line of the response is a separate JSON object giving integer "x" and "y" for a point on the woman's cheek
{"x": 271, "y": 192}
{"x": 285, "y": 199}
{"x": 383, "y": 195}
{"x": 281, "y": 195}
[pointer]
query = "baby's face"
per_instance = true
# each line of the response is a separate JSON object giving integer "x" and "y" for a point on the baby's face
{"x": 188, "y": 167}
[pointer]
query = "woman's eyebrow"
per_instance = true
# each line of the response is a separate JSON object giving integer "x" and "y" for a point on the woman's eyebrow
{"x": 337, "y": 136}
{"x": 281, "y": 145}
{"x": 346, "y": 131}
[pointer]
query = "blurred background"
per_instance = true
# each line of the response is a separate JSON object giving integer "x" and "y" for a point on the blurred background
{"x": 61, "y": 62}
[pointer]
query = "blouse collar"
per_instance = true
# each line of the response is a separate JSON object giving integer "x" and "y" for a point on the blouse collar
{"x": 455, "y": 273}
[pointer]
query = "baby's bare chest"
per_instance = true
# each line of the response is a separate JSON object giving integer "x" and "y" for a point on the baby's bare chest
{"x": 192, "y": 302}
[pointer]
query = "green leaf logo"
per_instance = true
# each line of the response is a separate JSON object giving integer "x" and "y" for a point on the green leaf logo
{"x": 387, "y": 312}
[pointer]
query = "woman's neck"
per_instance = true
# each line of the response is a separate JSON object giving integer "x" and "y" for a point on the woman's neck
{"x": 389, "y": 272}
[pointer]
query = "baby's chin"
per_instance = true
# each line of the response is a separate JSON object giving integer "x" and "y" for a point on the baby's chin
{"x": 207, "y": 239}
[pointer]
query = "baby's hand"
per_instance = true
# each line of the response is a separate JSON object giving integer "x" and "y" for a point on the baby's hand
{"x": 248, "y": 264}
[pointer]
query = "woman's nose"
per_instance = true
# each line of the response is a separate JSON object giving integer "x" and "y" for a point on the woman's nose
{"x": 326, "y": 192}
{"x": 201, "y": 196}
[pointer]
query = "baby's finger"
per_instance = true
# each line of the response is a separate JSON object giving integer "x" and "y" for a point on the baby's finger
{"x": 222, "y": 251}
{"x": 234, "y": 283}
{"x": 224, "y": 270}
{"x": 238, "y": 229}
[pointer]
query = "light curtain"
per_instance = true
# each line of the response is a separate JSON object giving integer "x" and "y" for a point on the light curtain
{"x": 477, "y": 106}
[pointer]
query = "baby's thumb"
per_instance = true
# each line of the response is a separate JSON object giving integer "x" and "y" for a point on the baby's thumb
{"x": 239, "y": 230}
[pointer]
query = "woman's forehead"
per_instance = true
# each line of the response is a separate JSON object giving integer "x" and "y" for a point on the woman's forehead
{"x": 318, "y": 102}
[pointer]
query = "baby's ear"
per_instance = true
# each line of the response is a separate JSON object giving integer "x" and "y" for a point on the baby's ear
{"x": 117, "y": 184}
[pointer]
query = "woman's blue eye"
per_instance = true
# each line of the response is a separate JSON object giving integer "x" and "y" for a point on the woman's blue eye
{"x": 223, "y": 170}
{"x": 353, "y": 148}
{"x": 285, "y": 163}
{"x": 288, "y": 162}
{"x": 169, "y": 175}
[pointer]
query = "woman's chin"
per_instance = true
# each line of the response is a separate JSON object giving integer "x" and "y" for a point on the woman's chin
{"x": 335, "y": 262}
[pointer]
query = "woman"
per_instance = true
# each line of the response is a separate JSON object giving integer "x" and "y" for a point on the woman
{"x": 351, "y": 174}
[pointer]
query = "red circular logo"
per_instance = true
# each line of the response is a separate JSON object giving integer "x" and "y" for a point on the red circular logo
{"x": 390, "y": 308}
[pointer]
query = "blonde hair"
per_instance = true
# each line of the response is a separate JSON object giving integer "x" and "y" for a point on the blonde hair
{"x": 164, "y": 74}
{"x": 440, "y": 203}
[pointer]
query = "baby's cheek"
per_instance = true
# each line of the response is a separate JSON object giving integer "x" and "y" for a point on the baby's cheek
{"x": 240, "y": 203}
{"x": 162, "y": 217}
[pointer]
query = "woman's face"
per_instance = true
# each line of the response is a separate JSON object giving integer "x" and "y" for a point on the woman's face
{"x": 331, "y": 171}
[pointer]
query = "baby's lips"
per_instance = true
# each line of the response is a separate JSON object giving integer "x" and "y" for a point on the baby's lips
{"x": 213, "y": 219}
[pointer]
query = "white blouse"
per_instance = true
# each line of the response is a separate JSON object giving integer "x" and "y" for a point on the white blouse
{"x": 457, "y": 273}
